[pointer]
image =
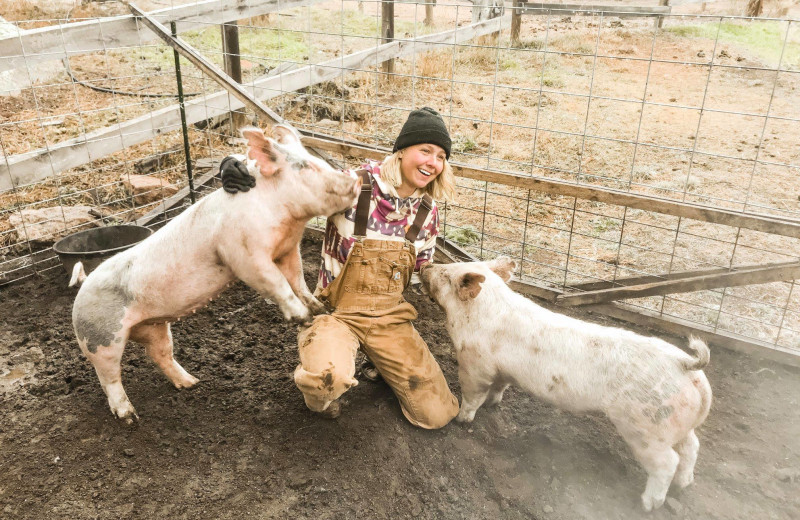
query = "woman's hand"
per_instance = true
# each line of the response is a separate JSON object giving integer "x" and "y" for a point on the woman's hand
{"x": 235, "y": 177}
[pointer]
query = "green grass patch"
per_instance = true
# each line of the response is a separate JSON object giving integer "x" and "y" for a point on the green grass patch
{"x": 463, "y": 144}
{"x": 764, "y": 39}
{"x": 260, "y": 42}
{"x": 464, "y": 236}
{"x": 355, "y": 23}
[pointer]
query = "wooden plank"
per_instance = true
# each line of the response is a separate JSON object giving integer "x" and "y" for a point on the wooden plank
{"x": 678, "y": 275}
{"x": 73, "y": 39}
{"x": 741, "y": 277}
{"x": 537, "y": 8}
{"x": 752, "y": 221}
{"x": 39, "y": 164}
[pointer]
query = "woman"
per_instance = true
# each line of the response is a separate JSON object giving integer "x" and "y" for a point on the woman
{"x": 370, "y": 254}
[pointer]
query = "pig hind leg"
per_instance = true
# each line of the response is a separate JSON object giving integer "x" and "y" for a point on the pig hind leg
{"x": 657, "y": 458}
{"x": 687, "y": 451}
{"x": 157, "y": 338}
{"x": 496, "y": 393}
{"x": 660, "y": 463}
{"x": 107, "y": 360}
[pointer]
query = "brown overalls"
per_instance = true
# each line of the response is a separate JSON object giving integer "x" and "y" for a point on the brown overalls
{"x": 369, "y": 311}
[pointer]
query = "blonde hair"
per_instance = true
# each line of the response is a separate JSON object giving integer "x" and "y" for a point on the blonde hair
{"x": 443, "y": 187}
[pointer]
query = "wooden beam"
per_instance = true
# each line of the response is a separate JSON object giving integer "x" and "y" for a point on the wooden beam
{"x": 39, "y": 164}
{"x": 673, "y": 325}
{"x": 537, "y": 8}
{"x": 72, "y": 39}
{"x": 678, "y": 275}
{"x": 741, "y": 277}
{"x": 752, "y": 221}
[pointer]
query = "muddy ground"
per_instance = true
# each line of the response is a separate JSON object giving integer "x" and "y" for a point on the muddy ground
{"x": 242, "y": 444}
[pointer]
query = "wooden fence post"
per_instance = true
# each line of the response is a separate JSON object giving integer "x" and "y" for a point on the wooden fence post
{"x": 516, "y": 21}
{"x": 233, "y": 67}
{"x": 429, "y": 12}
{"x": 387, "y": 30}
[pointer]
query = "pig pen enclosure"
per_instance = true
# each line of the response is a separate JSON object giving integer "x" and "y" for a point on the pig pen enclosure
{"x": 639, "y": 161}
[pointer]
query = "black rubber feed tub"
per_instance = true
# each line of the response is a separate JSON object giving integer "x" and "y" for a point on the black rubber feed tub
{"x": 92, "y": 246}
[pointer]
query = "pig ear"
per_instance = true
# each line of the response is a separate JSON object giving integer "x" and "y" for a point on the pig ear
{"x": 263, "y": 150}
{"x": 353, "y": 382}
{"x": 503, "y": 267}
{"x": 307, "y": 382}
{"x": 469, "y": 285}
{"x": 286, "y": 134}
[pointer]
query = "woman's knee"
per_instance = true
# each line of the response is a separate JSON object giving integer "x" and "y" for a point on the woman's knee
{"x": 321, "y": 388}
{"x": 428, "y": 404}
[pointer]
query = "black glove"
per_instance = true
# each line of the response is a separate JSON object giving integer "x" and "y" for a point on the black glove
{"x": 235, "y": 177}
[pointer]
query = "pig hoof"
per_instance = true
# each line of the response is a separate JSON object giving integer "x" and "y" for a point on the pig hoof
{"x": 650, "y": 503}
{"x": 316, "y": 307}
{"x": 187, "y": 382}
{"x": 465, "y": 417}
{"x": 129, "y": 417}
{"x": 683, "y": 480}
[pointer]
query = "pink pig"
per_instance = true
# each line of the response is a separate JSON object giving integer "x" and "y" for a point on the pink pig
{"x": 253, "y": 236}
{"x": 653, "y": 392}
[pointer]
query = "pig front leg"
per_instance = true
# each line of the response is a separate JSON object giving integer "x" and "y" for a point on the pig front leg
{"x": 475, "y": 383}
{"x": 291, "y": 266}
{"x": 263, "y": 275}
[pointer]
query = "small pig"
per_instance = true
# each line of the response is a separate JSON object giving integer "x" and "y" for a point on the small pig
{"x": 653, "y": 392}
{"x": 253, "y": 236}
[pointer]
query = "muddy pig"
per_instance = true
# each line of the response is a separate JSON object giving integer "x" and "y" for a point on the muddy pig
{"x": 653, "y": 392}
{"x": 253, "y": 236}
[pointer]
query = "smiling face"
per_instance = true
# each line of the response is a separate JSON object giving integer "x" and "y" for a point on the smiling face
{"x": 420, "y": 164}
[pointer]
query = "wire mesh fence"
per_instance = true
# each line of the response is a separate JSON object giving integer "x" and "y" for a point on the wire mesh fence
{"x": 697, "y": 109}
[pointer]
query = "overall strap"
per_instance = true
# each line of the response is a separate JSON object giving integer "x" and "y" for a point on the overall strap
{"x": 362, "y": 208}
{"x": 425, "y": 206}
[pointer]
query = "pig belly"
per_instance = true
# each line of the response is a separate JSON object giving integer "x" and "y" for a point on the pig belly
{"x": 167, "y": 298}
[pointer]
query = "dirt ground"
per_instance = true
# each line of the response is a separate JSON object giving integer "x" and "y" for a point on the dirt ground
{"x": 242, "y": 444}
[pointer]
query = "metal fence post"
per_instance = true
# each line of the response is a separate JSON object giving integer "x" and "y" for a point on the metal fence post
{"x": 179, "y": 78}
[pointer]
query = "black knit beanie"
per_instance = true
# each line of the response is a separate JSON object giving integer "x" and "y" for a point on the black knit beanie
{"x": 424, "y": 126}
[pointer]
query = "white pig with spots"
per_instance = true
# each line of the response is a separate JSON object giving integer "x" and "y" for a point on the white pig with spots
{"x": 653, "y": 392}
{"x": 253, "y": 237}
